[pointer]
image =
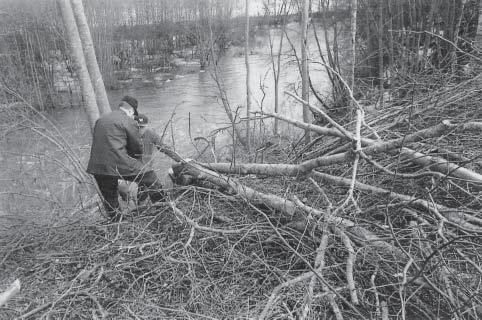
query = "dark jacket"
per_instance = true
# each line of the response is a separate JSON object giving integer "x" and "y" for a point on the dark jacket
{"x": 116, "y": 146}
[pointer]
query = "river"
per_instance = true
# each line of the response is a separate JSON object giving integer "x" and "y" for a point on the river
{"x": 194, "y": 97}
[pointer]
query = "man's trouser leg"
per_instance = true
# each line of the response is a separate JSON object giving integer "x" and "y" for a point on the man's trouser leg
{"x": 108, "y": 187}
{"x": 148, "y": 182}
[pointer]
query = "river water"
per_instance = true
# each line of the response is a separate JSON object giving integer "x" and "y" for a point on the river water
{"x": 193, "y": 98}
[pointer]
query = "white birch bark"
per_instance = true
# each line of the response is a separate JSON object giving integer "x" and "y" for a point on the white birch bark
{"x": 90, "y": 58}
{"x": 77, "y": 54}
{"x": 305, "y": 89}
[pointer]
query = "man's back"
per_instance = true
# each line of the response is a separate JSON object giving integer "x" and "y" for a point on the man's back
{"x": 116, "y": 146}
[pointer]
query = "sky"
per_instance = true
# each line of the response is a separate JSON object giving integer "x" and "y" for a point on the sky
{"x": 255, "y": 7}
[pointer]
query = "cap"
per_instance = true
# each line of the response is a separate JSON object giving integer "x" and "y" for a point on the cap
{"x": 132, "y": 102}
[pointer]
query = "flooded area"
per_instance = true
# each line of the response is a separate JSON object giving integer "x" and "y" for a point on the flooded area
{"x": 191, "y": 99}
{"x": 194, "y": 99}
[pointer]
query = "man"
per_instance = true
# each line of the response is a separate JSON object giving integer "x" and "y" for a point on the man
{"x": 150, "y": 139}
{"x": 116, "y": 154}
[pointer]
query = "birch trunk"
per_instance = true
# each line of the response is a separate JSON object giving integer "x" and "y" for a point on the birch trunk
{"x": 304, "y": 68}
{"x": 76, "y": 51}
{"x": 248, "y": 89}
{"x": 374, "y": 147}
{"x": 90, "y": 58}
{"x": 287, "y": 207}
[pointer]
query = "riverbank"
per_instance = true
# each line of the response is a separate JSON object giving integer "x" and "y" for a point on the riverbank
{"x": 215, "y": 253}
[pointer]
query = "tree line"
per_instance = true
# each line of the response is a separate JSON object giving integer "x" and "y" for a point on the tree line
{"x": 395, "y": 39}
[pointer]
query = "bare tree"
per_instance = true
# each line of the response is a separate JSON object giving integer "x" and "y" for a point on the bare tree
{"x": 276, "y": 59}
{"x": 353, "y": 23}
{"x": 78, "y": 56}
{"x": 248, "y": 88}
{"x": 380, "y": 50}
{"x": 305, "y": 89}
{"x": 90, "y": 58}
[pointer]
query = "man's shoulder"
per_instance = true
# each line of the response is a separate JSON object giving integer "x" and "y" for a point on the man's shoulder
{"x": 109, "y": 116}
{"x": 116, "y": 117}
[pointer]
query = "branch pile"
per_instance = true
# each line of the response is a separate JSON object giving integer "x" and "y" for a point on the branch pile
{"x": 393, "y": 207}
{"x": 377, "y": 219}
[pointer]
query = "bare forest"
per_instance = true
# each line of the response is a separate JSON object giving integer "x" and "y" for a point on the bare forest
{"x": 356, "y": 194}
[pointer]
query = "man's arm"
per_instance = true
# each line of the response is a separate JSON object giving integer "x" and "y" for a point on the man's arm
{"x": 155, "y": 139}
{"x": 134, "y": 142}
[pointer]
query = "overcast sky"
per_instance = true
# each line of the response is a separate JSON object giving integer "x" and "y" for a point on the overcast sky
{"x": 255, "y": 7}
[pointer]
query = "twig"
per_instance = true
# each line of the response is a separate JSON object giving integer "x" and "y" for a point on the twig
{"x": 350, "y": 262}
{"x": 319, "y": 265}
{"x": 196, "y": 226}
{"x": 375, "y": 293}
{"x": 384, "y": 308}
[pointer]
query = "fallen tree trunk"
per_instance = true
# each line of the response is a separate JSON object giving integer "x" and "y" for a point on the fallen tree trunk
{"x": 298, "y": 211}
{"x": 288, "y": 207}
{"x": 373, "y": 147}
{"x": 455, "y": 216}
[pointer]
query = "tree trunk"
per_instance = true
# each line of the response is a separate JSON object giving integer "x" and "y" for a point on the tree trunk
{"x": 478, "y": 36}
{"x": 304, "y": 68}
{"x": 428, "y": 37}
{"x": 90, "y": 58}
{"x": 353, "y": 23}
{"x": 79, "y": 61}
{"x": 353, "y": 11}
{"x": 224, "y": 97}
{"x": 380, "y": 50}
{"x": 276, "y": 66}
{"x": 453, "y": 52}
{"x": 248, "y": 89}
{"x": 391, "y": 51}
{"x": 287, "y": 207}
